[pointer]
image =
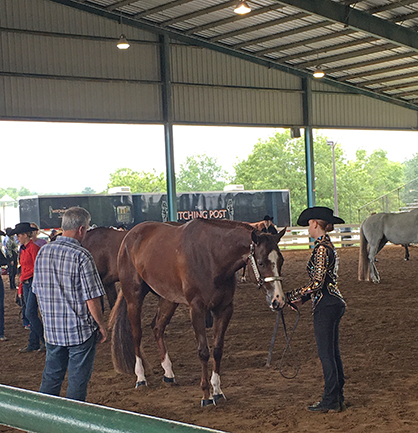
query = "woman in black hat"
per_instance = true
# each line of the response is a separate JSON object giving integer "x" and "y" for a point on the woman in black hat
{"x": 327, "y": 303}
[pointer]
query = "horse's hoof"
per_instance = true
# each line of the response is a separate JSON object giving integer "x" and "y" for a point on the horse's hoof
{"x": 142, "y": 383}
{"x": 218, "y": 397}
{"x": 169, "y": 380}
{"x": 206, "y": 402}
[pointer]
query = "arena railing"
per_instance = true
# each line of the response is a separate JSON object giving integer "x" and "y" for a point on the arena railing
{"x": 35, "y": 412}
{"x": 344, "y": 235}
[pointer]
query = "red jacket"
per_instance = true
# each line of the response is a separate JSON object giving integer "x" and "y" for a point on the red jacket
{"x": 28, "y": 255}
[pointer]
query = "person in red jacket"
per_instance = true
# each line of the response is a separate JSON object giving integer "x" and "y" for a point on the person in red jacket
{"x": 28, "y": 253}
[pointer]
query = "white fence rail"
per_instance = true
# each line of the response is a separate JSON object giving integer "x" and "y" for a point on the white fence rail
{"x": 344, "y": 235}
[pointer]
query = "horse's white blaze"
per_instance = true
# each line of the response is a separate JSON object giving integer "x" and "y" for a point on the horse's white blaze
{"x": 139, "y": 370}
{"x": 216, "y": 383}
{"x": 168, "y": 367}
{"x": 278, "y": 289}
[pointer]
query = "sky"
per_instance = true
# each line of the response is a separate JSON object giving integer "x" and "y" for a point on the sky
{"x": 68, "y": 157}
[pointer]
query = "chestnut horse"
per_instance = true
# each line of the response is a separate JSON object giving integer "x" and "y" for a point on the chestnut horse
{"x": 104, "y": 243}
{"x": 193, "y": 264}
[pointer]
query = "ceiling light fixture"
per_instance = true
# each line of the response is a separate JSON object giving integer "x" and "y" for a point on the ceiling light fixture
{"x": 123, "y": 43}
{"x": 318, "y": 73}
{"x": 242, "y": 8}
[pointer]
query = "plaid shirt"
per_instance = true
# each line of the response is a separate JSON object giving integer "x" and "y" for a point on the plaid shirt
{"x": 65, "y": 278}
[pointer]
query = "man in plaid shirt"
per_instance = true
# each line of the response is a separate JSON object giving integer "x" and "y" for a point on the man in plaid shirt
{"x": 68, "y": 288}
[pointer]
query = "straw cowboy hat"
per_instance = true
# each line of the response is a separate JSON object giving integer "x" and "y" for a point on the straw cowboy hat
{"x": 318, "y": 213}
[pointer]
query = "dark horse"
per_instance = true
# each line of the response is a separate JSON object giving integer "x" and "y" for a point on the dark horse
{"x": 192, "y": 264}
{"x": 104, "y": 243}
{"x": 378, "y": 229}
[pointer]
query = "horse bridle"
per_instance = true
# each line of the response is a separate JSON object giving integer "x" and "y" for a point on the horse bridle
{"x": 258, "y": 277}
{"x": 260, "y": 282}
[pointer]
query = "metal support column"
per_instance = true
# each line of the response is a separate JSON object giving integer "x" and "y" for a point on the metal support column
{"x": 309, "y": 154}
{"x": 167, "y": 104}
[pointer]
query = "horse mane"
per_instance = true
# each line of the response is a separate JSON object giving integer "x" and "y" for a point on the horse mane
{"x": 225, "y": 222}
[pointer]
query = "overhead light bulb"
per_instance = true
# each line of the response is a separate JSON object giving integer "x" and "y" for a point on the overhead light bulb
{"x": 318, "y": 73}
{"x": 123, "y": 44}
{"x": 242, "y": 8}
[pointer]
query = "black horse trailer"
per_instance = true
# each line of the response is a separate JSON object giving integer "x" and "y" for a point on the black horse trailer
{"x": 131, "y": 209}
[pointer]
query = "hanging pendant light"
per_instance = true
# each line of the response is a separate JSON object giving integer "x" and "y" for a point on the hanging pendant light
{"x": 123, "y": 43}
{"x": 318, "y": 73}
{"x": 242, "y": 8}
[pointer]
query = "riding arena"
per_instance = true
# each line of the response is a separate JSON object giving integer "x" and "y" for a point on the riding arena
{"x": 378, "y": 344}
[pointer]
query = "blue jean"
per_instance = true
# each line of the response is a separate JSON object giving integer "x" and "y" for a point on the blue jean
{"x": 78, "y": 360}
{"x": 326, "y": 324}
{"x": 36, "y": 334}
{"x": 1, "y": 307}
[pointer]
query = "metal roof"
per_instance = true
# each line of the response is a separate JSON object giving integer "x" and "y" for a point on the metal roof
{"x": 370, "y": 45}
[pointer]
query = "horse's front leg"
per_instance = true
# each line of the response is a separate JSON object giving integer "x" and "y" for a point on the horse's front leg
{"x": 162, "y": 318}
{"x": 198, "y": 316}
{"x": 221, "y": 321}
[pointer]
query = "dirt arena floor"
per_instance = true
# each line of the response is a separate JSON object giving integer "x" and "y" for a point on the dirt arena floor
{"x": 379, "y": 348}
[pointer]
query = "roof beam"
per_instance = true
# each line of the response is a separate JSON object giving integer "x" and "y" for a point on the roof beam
{"x": 380, "y": 71}
{"x": 221, "y": 22}
{"x": 224, "y": 49}
{"x": 305, "y": 42}
{"x": 328, "y": 48}
{"x": 119, "y": 4}
{"x": 160, "y": 8}
{"x": 255, "y": 27}
{"x": 372, "y": 62}
{"x": 198, "y": 13}
{"x": 359, "y": 20}
{"x": 294, "y": 31}
{"x": 390, "y": 6}
{"x": 345, "y": 56}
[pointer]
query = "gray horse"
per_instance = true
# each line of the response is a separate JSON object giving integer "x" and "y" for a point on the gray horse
{"x": 376, "y": 230}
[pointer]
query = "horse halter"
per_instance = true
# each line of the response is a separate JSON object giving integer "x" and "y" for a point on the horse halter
{"x": 258, "y": 277}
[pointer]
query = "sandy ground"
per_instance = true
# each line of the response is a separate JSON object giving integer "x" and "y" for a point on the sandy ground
{"x": 378, "y": 344}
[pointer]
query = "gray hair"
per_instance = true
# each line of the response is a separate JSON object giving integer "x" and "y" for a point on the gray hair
{"x": 74, "y": 218}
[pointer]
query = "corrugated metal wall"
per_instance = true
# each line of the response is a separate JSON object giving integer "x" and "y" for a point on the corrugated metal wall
{"x": 59, "y": 63}
{"x": 336, "y": 109}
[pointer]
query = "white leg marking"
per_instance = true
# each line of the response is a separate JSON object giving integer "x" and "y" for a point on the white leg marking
{"x": 216, "y": 383}
{"x": 278, "y": 289}
{"x": 168, "y": 367}
{"x": 139, "y": 370}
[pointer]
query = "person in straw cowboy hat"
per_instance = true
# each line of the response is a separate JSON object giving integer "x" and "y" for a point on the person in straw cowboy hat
{"x": 28, "y": 253}
{"x": 327, "y": 303}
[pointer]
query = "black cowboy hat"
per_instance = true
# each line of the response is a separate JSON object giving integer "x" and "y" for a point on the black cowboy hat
{"x": 318, "y": 213}
{"x": 9, "y": 231}
{"x": 22, "y": 228}
{"x": 267, "y": 218}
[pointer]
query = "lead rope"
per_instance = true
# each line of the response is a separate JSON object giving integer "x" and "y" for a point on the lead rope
{"x": 288, "y": 339}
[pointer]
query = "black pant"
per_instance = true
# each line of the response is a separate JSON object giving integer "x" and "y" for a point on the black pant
{"x": 326, "y": 324}
{"x": 12, "y": 270}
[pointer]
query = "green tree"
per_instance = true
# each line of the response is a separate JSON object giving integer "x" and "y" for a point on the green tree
{"x": 15, "y": 193}
{"x": 88, "y": 190}
{"x": 278, "y": 163}
{"x": 138, "y": 181}
{"x": 201, "y": 173}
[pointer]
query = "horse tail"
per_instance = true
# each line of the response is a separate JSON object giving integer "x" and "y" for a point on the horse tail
{"x": 363, "y": 261}
{"x": 123, "y": 353}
